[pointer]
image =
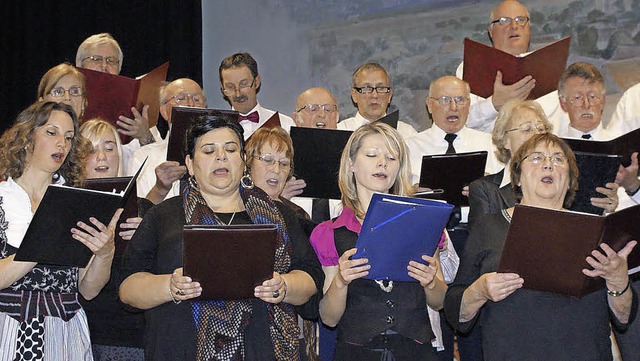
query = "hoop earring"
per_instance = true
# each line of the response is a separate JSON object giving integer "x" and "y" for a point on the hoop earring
{"x": 246, "y": 182}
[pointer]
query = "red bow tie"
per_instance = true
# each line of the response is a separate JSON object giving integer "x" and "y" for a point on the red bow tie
{"x": 252, "y": 117}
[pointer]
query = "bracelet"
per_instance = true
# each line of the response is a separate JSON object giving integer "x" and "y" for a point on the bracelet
{"x": 618, "y": 293}
{"x": 171, "y": 294}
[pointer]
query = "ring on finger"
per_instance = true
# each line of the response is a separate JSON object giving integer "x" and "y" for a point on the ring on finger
{"x": 276, "y": 294}
{"x": 180, "y": 292}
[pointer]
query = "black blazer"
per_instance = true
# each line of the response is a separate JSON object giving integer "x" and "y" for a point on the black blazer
{"x": 486, "y": 196}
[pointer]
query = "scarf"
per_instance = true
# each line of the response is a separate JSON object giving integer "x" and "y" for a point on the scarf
{"x": 220, "y": 324}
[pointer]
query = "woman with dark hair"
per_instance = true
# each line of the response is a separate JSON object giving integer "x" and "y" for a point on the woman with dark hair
{"x": 526, "y": 324}
{"x": 39, "y": 310}
{"x": 218, "y": 192}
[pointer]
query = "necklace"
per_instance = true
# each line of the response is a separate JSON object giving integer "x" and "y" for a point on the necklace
{"x": 388, "y": 288}
{"x": 230, "y": 220}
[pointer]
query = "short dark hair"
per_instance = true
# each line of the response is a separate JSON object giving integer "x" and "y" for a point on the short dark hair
{"x": 207, "y": 123}
{"x": 586, "y": 71}
{"x": 238, "y": 60}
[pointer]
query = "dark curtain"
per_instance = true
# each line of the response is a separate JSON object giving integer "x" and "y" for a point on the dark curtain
{"x": 37, "y": 35}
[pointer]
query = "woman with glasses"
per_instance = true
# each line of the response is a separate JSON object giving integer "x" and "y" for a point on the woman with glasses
{"x": 523, "y": 324}
{"x": 517, "y": 121}
{"x": 375, "y": 320}
{"x": 64, "y": 84}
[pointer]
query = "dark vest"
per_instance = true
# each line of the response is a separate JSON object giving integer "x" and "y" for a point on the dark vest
{"x": 371, "y": 311}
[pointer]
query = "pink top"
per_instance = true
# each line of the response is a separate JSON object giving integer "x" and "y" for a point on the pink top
{"x": 322, "y": 236}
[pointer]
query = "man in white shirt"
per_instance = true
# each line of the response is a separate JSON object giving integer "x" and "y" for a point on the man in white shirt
{"x": 626, "y": 117}
{"x": 371, "y": 91}
{"x": 159, "y": 178}
{"x": 509, "y": 30}
{"x": 240, "y": 83}
{"x": 101, "y": 52}
{"x": 448, "y": 104}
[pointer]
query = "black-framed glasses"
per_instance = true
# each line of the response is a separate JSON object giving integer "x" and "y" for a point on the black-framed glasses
{"x": 537, "y": 158}
{"x": 98, "y": 59}
{"x": 539, "y": 128}
{"x": 314, "y": 108}
{"x": 183, "y": 98}
{"x": 269, "y": 160}
{"x": 230, "y": 89}
{"x": 578, "y": 100}
{"x": 446, "y": 100}
{"x": 369, "y": 89}
{"x": 506, "y": 20}
{"x": 74, "y": 91}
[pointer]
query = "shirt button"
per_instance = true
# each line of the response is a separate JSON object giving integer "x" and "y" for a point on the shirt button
{"x": 390, "y": 303}
{"x": 390, "y": 319}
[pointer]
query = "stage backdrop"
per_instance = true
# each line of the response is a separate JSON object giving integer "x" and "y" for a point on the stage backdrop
{"x": 37, "y": 35}
{"x": 304, "y": 43}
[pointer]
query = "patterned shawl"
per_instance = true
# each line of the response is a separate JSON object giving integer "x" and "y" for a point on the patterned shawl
{"x": 220, "y": 324}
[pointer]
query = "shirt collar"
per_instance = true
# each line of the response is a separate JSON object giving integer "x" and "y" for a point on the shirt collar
{"x": 365, "y": 120}
{"x": 347, "y": 219}
{"x": 255, "y": 109}
{"x": 506, "y": 177}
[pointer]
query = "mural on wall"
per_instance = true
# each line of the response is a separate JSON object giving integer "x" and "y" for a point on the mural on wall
{"x": 419, "y": 41}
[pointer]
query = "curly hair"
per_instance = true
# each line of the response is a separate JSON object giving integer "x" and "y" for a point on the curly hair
{"x": 17, "y": 141}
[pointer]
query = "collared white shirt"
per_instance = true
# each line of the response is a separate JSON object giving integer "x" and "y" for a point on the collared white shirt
{"x": 482, "y": 114}
{"x": 353, "y": 123}
{"x": 130, "y": 148}
{"x": 264, "y": 114}
{"x": 627, "y": 114}
{"x": 156, "y": 154}
{"x": 599, "y": 133}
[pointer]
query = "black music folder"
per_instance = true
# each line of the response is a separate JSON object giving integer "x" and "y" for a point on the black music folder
{"x": 547, "y": 248}
{"x": 623, "y": 146}
{"x": 181, "y": 118}
{"x": 397, "y": 230}
{"x": 391, "y": 119}
{"x": 316, "y": 159}
{"x": 595, "y": 170}
{"x": 545, "y": 65}
{"x": 117, "y": 184}
{"x": 447, "y": 174}
{"x": 229, "y": 261}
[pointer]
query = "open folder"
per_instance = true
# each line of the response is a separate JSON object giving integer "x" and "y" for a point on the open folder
{"x": 623, "y": 145}
{"x": 391, "y": 119}
{"x": 397, "y": 230}
{"x": 595, "y": 170}
{"x": 110, "y": 96}
{"x": 548, "y": 248}
{"x": 229, "y": 261}
{"x": 545, "y": 65}
{"x": 181, "y": 118}
{"x": 447, "y": 174}
{"x": 317, "y": 160}
{"x": 117, "y": 185}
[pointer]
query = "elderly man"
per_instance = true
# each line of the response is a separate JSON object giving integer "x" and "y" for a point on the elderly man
{"x": 101, "y": 52}
{"x": 448, "y": 104}
{"x": 510, "y": 31}
{"x": 371, "y": 91}
{"x": 159, "y": 179}
{"x": 316, "y": 108}
{"x": 240, "y": 83}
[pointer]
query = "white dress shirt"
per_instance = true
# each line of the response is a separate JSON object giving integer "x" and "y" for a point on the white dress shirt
{"x": 353, "y": 123}
{"x": 600, "y": 133}
{"x": 482, "y": 114}
{"x": 627, "y": 114}
{"x": 156, "y": 154}
{"x": 264, "y": 114}
{"x": 130, "y": 148}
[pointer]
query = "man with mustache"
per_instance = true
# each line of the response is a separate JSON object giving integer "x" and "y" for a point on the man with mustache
{"x": 509, "y": 29}
{"x": 371, "y": 91}
{"x": 240, "y": 83}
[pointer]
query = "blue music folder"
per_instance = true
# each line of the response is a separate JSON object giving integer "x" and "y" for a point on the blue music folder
{"x": 397, "y": 230}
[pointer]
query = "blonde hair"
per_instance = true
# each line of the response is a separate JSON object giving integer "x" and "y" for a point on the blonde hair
{"x": 276, "y": 137}
{"x": 94, "y": 129}
{"x": 53, "y": 76}
{"x": 504, "y": 122}
{"x": 395, "y": 144}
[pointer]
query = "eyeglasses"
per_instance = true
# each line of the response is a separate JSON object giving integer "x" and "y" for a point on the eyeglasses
{"x": 231, "y": 89}
{"x": 506, "y": 20}
{"x": 579, "y": 100}
{"x": 74, "y": 91}
{"x": 537, "y": 158}
{"x": 183, "y": 98}
{"x": 98, "y": 59}
{"x": 369, "y": 89}
{"x": 530, "y": 128}
{"x": 446, "y": 100}
{"x": 313, "y": 108}
{"x": 269, "y": 160}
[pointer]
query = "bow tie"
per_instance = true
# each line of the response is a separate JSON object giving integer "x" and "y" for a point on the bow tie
{"x": 252, "y": 117}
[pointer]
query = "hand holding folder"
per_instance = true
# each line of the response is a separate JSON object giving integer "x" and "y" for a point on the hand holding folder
{"x": 397, "y": 230}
